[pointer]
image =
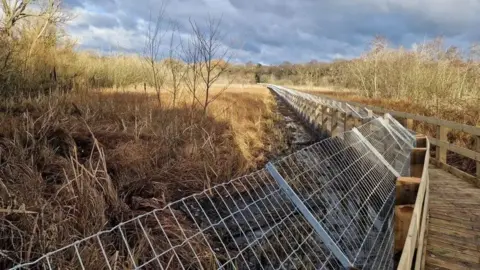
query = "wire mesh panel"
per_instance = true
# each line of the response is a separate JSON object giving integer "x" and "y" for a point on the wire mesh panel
{"x": 295, "y": 98}
{"x": 327, "y": 206}
{"x": 393, "y": 147}
{"x": 247, "y": 223}
{"x": 407, "y": 135}
{"x": 351, "y": 194}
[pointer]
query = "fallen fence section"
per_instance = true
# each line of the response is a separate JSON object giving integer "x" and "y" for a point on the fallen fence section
{"x": 327, "y": 206}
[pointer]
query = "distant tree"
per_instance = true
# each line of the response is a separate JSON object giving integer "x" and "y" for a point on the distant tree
{"x": 378, "y": 44}
{"x": 453, "y": 54}
{"x": 249, "y": 64}
{"x": 258, "y": 73}
{"x": 257, "y": 77}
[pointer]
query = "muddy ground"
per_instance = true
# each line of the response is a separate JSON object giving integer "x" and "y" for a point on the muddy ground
{"x": 298, "y": 135}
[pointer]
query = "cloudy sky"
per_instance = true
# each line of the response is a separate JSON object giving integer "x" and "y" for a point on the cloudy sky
{"x": 273, "y": 31}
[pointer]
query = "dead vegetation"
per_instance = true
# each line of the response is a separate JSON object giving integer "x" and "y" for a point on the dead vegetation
{"x": 85, "y": 144}
{"x": 73, "y": 165}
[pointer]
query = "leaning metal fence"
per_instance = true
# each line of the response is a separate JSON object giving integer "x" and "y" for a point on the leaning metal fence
{"x": 327, "y": 206}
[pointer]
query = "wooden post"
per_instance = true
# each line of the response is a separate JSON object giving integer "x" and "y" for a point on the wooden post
{"x": 408, "y": 123}
{"x": 441, "y": 152}
{"x": 346, "y": 122}
{"x": 403, "y": 216}
{"x": 324, "y": 119}
{"x": 316, "y": 114}
{"x": 417, "y": 161}
{"x": 334, "y": 123}
{"x": 406, "y": 190}
{"x": 477, "y": 148}
{"x": 357, "y": 122}
{"x": 369, "y": 114}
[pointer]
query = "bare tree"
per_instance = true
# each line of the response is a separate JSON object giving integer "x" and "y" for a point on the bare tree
{"x": 176, "y": 68}
{"x": 191, "y": 57}
{"x": 16, "y": 10}
{"x": 378, "y": 45}
{"x": 52, "y": 14}
{"x": 214, "y": 57}
{"x": 44, "y": 17}
{"x": 13, "y": 11}
{"x": 153, "y": 42}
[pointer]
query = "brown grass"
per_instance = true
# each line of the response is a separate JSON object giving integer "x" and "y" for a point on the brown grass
{"x": 83, "y": 163}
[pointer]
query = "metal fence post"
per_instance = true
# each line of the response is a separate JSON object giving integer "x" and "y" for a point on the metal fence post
{"x": 327, "y": 240}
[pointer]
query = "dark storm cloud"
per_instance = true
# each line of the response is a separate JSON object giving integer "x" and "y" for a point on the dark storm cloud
{"x": 273, "y": 31}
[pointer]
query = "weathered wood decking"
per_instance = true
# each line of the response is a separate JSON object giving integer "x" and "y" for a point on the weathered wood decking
{"x": 453, "y": 237}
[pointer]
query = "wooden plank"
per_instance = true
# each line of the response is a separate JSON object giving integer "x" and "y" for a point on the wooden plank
{"x": 455, "y": 243}
{"x": 460, "y": 233}
{"x": 447, "y": 251}
{"x": 454, "y": 240}
{"x": 477, "y": 149}
{"x": 457, "y": 225}
{"x": 449, "y": 257}
{"x": 421, "y": 141}
{"x": 422, "y": 242}
{"x": 450, "y": 192}
{"x": 448, "y": 262}
{"x": 349, "y": 122}
{"x": 406, "y": 190}
{"x": 431, "y": 265}
{"x": 417, "y": 160}
{"x": 334, "y": 123}
{"x": 406, "y": 259}
{"x": 408, "y": 123}
{"x": 418, "y": 155}
{"x": 441, "y": 151}
{"x": 403, "y": 216}
{"x": 460, "y": 214}
{"x": 324, "y": 118}
{"x": 461, "y": 174}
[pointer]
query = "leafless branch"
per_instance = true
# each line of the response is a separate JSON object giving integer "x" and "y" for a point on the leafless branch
{"x": 154, "y": 38}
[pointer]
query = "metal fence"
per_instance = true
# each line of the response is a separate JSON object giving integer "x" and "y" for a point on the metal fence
{"x": 327, "y": 206}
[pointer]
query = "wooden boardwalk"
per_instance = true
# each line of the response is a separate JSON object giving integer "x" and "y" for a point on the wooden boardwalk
{"x": 453, "y": 237}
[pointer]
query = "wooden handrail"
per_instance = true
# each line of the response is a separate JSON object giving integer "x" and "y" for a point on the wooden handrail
{"x": 415, "y": 243}
{"x": 441, "y": 143}
{"x": 427, "y": 119}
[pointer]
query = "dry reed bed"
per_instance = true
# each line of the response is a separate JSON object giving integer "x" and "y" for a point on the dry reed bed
{"x": 73, "y": 165}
